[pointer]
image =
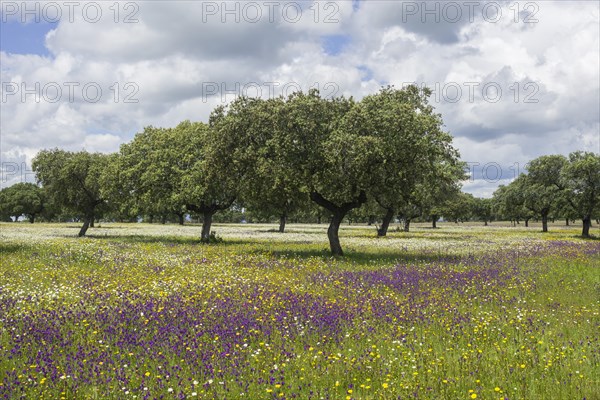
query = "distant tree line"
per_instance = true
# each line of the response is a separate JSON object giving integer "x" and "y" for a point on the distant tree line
{"x": 302, "y": 158}
{"x": 554, "y": 187}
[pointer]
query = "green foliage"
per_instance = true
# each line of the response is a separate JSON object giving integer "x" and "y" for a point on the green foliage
{"x": 72, "y": 180}
{"x": 330, "y": 160}
{"x": 581, "y": 176}
{"x": 554, "y": 186}
{"x": 273, "y": 188}
{"x": 215, "y": 160}
{"x": 117, "y": 187}
{"x": 305, "y": 158}
{"x": 483, "y": 209}
{"x": 459, "y": 207}
{"x": 149, "y": 171}
{"x": 508, "y": 203}
{"x": 22, "y": 199}
{"x": 418, "y": 168}
{"x": 333, "y": 160}
{"x": 542, "y": 186}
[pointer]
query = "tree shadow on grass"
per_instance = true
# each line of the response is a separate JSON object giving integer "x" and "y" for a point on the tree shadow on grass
{"x": 167, "y": 240}
{"x": 283, "y": 249}
{"x": 589, "y": 238}
{"x": 367, "y": 257}
{"x": 10, "y": 248}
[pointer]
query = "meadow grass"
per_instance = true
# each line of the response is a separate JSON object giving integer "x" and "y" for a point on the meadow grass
{"x": 146, "y": 311}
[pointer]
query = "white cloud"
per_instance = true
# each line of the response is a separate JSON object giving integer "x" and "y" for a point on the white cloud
{"x": 179, "y": 61}
{"x": 101, "y": 142}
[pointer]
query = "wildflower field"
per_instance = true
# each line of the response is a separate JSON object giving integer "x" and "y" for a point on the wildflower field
{"x": 146, "y": 311}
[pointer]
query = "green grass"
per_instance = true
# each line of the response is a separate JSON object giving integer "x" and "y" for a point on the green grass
{"x": 143, "y": 311}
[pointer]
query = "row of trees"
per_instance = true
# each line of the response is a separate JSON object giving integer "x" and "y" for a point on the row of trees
{"x": 23, "y": 199}
{"x": 32, "y": 201}
{"x": 302, "y": 157}
{"x": 554, "y": 186}
{"x": 273, "y": 156}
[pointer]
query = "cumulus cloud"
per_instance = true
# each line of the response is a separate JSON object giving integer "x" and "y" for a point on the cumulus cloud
{"x": 512, "y": 83}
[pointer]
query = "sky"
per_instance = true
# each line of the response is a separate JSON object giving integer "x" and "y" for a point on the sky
{"x": 512, "y": 80}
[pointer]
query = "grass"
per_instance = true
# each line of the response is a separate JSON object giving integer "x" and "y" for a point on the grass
{"x": 145, "y": 311}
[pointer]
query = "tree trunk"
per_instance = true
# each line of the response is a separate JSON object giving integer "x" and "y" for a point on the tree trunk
{"x": 163, "y": 219}
{"x": 544, "y": 221}
{"x": 587, "y": 223}
{"x": 485, "y": 223}
{"x": 319, "y": 219}
{"x": 434, "y": 219}
{"x": 338, "y": 213}
{"x": 567, "y": 221}
{"x": 406, "y": 224}
{"x": 526, "y": 222}
{"x": 31, "y": 219}
{"x": 151, "y": 219}
{"x": 385, "y": 224}
{"x": 92, "y": 225}
{"x": 282, "y": 221}
{"x": 206, "y": 224}
{"x": 207, "y": 212}
{"x": 180, "y": 216}
{"x": 333, "y": 234}
{"x": 86, "y": 225}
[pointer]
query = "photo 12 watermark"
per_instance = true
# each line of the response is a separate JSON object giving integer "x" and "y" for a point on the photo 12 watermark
{"x": 54, "y": 92}
{"x": 70, "y": 11}
{"x": 327, "y": 12}
{"x": 491, "y": 172}
{"x": 227, "y": 91}
{"x": 489, "y": 92}
{"x": 454, "y": 12}
{"x": 252, "y": 12}
{"x": 15, "y": 171}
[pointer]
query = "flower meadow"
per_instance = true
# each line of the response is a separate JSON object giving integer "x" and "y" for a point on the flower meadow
{"x": 146, "y": 311}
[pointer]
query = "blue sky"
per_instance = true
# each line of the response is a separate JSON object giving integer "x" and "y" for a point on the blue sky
{"x": 161, "y": 62}
{"x": 29, "y": 38}
{"x": 20, "y": 38}
{"x": 334, "y": 44}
